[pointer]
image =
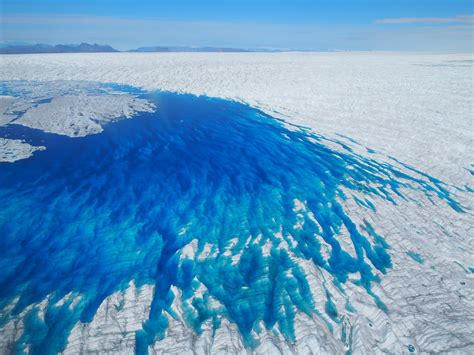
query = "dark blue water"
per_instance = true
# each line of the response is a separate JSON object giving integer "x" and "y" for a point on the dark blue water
{"x": 89, "y": 215}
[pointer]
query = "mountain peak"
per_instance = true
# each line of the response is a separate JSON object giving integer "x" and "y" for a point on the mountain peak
{"x": 59, "y": 48}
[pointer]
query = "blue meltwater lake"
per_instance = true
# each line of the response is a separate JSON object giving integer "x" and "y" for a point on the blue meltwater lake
{"x": 88, "y": 216}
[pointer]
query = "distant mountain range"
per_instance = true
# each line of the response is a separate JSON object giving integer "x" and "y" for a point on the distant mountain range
{"x": 25, "y": 48}
{"x": 59, "y": 48}
{"x": 188, "y": 49}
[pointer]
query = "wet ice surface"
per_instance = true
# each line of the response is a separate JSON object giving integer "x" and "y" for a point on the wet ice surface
{"x": 283, "y": 272}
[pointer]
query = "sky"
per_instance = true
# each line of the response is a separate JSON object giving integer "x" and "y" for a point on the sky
{"x": 411, "y": 25}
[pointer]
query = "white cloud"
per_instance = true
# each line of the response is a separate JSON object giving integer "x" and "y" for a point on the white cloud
{"x": 426, "y": 20}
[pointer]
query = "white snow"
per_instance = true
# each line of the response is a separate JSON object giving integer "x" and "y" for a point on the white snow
{"x": 74, "y": 109}
{"x": 12, "y": 150}
{"x": 418, "y": 108}
{"x": 412, "y": 106}
{"x": 82, "y": 115}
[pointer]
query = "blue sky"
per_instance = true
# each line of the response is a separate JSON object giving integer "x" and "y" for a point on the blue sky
{"x": 297, "y": 24}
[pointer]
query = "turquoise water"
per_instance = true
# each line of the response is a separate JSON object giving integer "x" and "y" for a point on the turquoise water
{"x": 89, "y": 215}
{"x": 415, "y": 256}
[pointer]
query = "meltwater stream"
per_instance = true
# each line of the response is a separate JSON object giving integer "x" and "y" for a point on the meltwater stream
{"x": 82, "y": 219}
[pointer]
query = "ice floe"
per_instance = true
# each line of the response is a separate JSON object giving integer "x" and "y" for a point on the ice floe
{"x": 12, "y": 150}
{"x": 74, "y": 109}
{"x": 79, "y": 116}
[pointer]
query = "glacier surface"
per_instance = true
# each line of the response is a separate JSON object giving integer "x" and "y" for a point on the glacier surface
{"x": 369, "y": 253}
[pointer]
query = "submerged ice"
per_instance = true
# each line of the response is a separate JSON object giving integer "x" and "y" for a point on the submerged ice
{"x": 205, "y": 196}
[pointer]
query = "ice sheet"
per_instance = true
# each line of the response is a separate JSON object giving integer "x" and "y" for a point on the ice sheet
{"x": 417, "y": 108}
{"x": 409, "y": 105}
